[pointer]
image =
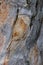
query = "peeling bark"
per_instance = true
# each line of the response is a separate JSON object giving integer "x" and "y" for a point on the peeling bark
{"x": 19, "y": 32}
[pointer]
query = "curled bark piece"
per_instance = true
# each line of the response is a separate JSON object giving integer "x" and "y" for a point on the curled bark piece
{"x": 21, "y": 27}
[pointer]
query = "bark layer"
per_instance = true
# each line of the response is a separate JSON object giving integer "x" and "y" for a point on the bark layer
{"x": 21, "y": 32}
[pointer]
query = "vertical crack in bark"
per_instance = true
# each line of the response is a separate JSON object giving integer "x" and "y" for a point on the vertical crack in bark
{"x": 32, "y": 38}
{"x": 8, "y": 49}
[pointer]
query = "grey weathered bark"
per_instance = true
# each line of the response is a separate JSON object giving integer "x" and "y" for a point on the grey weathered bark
{"x": 37, "y": 31}
{"x": 36, "y": 27}
{"x": 14, "y": 51}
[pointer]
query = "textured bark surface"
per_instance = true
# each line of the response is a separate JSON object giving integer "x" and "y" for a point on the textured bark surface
{"x": 21, "y": 32}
